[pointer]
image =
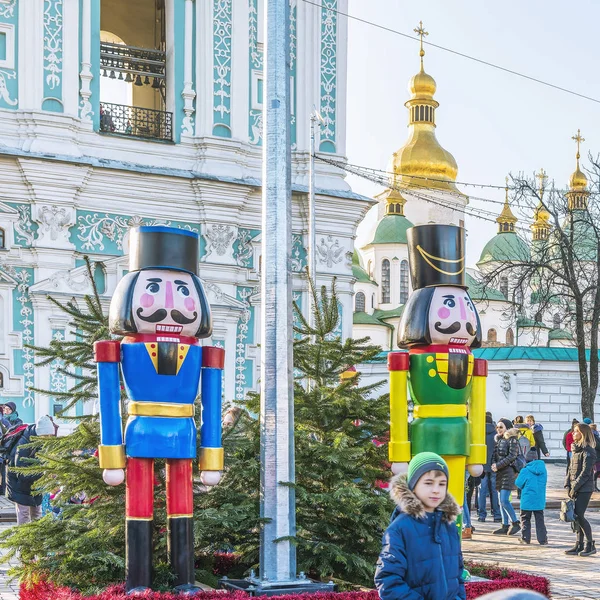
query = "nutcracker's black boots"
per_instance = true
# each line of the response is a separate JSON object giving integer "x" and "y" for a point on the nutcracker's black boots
{"x": 139, "y": 555}
{"x": 181, "y": 553}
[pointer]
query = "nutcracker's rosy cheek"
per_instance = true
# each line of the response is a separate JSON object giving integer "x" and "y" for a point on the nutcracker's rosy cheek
{"x": 443, "y": 312}
{"x": 189, "y": 303}
{"x": 146, "y": 300}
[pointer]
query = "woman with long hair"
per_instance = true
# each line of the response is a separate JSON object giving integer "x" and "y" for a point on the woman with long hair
{"x": 503, "y": 460}
{"x": 580, "y": 485}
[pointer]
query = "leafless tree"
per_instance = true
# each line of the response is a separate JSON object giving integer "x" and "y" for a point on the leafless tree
{"x": 557, "y": 280}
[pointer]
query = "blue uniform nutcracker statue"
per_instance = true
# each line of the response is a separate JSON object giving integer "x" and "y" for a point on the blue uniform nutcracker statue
{"x": 161, "y": 309}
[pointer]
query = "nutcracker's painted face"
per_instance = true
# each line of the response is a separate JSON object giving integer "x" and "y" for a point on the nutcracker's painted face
{"x": 452, "y": 317}
{"x": 165, "y": 302}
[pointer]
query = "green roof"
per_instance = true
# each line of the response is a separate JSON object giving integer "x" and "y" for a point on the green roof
{"x": 516, "y": 353}
{"x": 358, "y": 271}
{"x": 527, "y": 353}
{"x": 391, "y": 230}
{"x": 560, "y": 334}
{"x": 478, "y": 291}
{"x": 363, "y": 318}
{"x": 505, "y": 247}
{"x": 389, "y": 314}
{"x": 524, "y": 322}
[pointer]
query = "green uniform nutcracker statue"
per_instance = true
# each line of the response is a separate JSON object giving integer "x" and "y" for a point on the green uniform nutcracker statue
{"x": 439, "y": 327}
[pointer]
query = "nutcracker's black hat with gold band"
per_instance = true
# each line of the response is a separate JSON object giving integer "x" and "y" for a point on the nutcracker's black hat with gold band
{"x": 158, "y": 247}
{"x": 436, "y": 255}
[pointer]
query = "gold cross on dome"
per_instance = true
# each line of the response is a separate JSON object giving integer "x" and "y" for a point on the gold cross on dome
{"x": 506, "y": 188}
{"x": 420, "y": 31}
{"x": 577, "y": 138}
{"x": 542, "y": 176}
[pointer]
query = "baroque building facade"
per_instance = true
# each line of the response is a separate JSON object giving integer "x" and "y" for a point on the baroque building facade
{"x": 533, "y": 364}
{"x": 115, "y": 114}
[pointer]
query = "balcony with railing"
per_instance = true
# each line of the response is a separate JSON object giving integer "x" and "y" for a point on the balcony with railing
{"x": 143, "y": 72}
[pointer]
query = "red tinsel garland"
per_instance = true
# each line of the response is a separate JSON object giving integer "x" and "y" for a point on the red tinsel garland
{"x": 500, "y": 580}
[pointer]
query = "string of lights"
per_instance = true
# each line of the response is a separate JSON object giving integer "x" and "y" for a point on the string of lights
{"x": 383, "y": 178}
{"x": 457, "y": 53}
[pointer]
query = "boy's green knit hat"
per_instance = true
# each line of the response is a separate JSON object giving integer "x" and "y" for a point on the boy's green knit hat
{"x": 423, "y": 463}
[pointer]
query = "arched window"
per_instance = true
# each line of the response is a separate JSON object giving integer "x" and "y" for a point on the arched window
{"x": 404, "y": 282}
{"x": 538, "y": 317}
{"x": 510, "y": 338}
{"x": 491, "y": 336}
{"x": 372, "y": 300}
{"x": 1, "y": 380}
{"x": 504, "y": 286}
{"x": 2, "y": 238}
{"x": 385, "y": 281}
{"x": 556, "y": 321}
{"x": 359, "y": 302}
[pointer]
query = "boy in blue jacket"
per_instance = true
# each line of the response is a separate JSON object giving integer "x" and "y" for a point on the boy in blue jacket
{"x": 532, "y": 482}
{"x": 421, "y": 557}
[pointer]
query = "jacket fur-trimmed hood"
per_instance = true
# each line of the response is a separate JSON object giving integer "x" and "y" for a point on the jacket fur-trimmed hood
{"x": 513, "y": 432}
{"x": 409, "y": 504}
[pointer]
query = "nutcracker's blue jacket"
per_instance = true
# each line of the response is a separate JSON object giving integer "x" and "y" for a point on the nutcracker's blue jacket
{"x": 421, "y": 557}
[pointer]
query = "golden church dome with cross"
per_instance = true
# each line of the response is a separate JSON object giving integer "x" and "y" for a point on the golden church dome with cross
{"x": 422, "y": 162}
{"x": 578, "y": 181}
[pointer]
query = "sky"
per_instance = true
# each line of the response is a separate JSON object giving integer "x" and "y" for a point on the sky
{"x": 493, "y": 123}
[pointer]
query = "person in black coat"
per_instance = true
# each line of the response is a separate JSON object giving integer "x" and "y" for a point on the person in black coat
{"x": 20, "y": 454}
{"x": 488, "y": 482}
{"x": 579, "y": 484}
{"x": 503, "y": 460}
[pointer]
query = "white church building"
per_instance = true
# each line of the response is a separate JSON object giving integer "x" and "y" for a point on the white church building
{"x": 533, "y": 366}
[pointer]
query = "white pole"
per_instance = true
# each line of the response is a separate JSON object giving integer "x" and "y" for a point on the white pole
{"x": 278, "y": 502}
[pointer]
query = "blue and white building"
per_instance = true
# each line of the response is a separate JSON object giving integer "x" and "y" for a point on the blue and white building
{"x": 115, "y": 114}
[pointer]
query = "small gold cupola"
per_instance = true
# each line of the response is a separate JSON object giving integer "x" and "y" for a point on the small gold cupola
{"x": 578, "y": 193}
{"x": 506, "y": 220}
{"x": 541, "y": 217}
{"x": 422, "y": 162}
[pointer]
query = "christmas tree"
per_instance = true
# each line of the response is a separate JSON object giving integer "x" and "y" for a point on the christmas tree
{"x": 341, "y": 512}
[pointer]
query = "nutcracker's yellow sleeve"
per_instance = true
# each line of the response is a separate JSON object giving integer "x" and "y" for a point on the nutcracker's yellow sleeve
{"x": 478, "y": 448}
{"x": 399, "y": 449}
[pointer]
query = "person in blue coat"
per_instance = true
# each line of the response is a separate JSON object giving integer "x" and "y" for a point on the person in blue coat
{"x": 421, "y": 557}
{"x": 532, "y": 482}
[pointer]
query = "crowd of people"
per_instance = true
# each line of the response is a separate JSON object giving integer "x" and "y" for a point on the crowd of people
{"x": 17, "y": 452}
{"x": 421, "y": 555}
{"x": 514, "y": 464}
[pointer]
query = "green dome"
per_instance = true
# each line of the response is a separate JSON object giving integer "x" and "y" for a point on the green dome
{"x": 478, "y": 292}
{"x": 505, "y": 247}
{"x": 391, "y": 230}
{"x": 585, "y": 238}
{"x": 560, "y": 334}
{"x": 357, "y": 270}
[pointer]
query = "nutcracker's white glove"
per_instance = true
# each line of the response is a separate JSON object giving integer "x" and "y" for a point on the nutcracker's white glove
{"x": 475, "y": 470}
{"x": 113, "y": 476}
{"x": 399, "y": 468}
{"x": 210, "y": 477}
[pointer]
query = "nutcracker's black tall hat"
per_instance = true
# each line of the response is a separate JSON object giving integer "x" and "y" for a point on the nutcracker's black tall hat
{"x": 436, "y": 254}
{"x": 157, "y": 247}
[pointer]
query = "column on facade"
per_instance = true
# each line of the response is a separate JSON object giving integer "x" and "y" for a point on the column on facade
{"x": 188, "y": 92}
{"x": 85, "y": 75}
{"x": 204, "y": 67}
{"x": 30, "y": 53}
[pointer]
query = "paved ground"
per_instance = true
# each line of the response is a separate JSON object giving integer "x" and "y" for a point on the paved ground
{"x": 572, "y": 578}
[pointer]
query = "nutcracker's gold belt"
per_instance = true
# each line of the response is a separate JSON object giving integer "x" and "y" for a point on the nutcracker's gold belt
{"x": 428, "y": 411}
{"x": 160, "y": 409}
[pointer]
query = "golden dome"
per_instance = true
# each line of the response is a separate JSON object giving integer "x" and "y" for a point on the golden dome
{"x": 541, "y": 216}
{"x": 422, "y": 86}
{"x": 578, "y": 181}
{"x": 422, "y": 162}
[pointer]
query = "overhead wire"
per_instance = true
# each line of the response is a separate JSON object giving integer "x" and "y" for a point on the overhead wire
{"x": 456, "y": 52}
{"x": 417, "y": 191}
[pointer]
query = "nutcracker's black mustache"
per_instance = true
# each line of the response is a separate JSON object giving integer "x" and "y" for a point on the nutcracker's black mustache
{"x": 454, "y": 328}
{"x": 161, "y": 314}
